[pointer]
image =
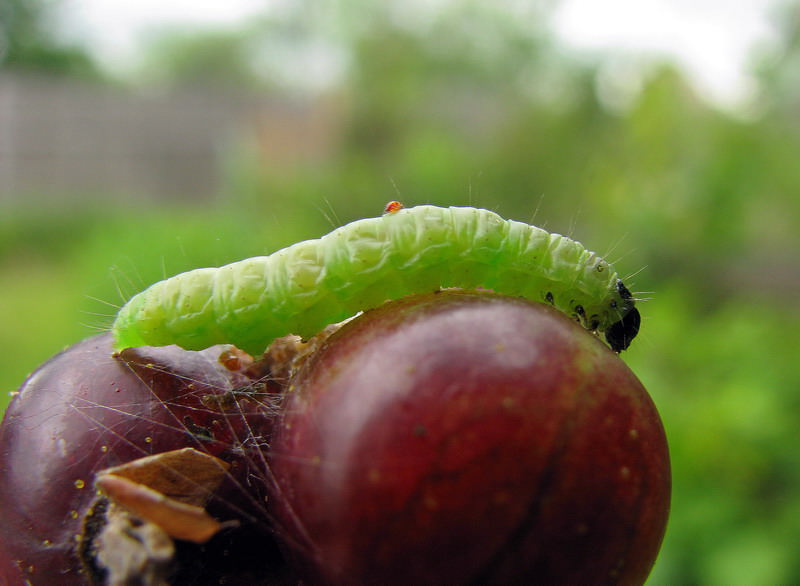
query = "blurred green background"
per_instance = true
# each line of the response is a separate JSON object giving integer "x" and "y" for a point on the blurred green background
{"x": 469, "y": 105}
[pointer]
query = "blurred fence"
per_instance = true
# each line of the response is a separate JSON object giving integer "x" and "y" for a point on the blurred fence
{"x": 64, "y": 139}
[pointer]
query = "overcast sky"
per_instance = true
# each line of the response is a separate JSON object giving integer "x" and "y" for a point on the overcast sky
{"x": 711, "y": 39}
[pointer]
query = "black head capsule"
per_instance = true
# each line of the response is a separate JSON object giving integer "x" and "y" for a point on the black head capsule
{"x": 619, "y": 335}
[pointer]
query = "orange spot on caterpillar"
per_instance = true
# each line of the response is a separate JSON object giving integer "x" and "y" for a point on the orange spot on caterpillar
{"x": 392, "y": 207}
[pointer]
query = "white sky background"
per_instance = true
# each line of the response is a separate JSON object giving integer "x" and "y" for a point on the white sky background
{"x": 118, "y": 27}
{"x": 710, "y": 39}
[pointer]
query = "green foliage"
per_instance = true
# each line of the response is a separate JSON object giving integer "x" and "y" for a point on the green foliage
{"x": 471, "y": 108}
{"x": 213, "y": 59}
{"x": 727, "y": 388}
{"x": 29, "y": 43}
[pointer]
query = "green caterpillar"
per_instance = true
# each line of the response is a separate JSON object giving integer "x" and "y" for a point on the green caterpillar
{"x": 302, "y": 288}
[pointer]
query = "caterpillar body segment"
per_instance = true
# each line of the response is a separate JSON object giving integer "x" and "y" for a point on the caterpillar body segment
{"x": 303, "y": 287}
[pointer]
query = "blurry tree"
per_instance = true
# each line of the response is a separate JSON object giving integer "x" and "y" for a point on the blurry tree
{"x": 29, "y": 41}
{"x": 433, "y": 100}
{"x": 779, "y": 68}
{"x": 213, "y": 58}
{"x": 457, "y": 68}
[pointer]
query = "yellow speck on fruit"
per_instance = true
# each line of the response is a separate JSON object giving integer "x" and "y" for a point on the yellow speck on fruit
{"x": 501, "y": 497}
{"x": 633, "y": 434}
{"x": 625, "y": 472}
{"x": 73, "y": 514}
{"x": 374, "y": 475}
{"x": 148, "y": 440}
{"x": 431, "y": 502}
{"x": 79, "y": 484}
{"x": 615, "y": 572}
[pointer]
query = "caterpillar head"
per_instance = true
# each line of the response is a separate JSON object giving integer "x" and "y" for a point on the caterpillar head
{"x": 620, "y": 334}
